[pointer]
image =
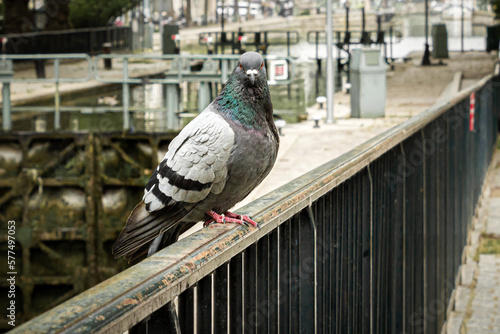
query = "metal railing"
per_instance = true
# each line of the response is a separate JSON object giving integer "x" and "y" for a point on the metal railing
{"x": 343, "y": 39}
{"x": 239, "y": 40}
{"x": 371, "y": 241}
{"x": 88, "y": 40}
{"x": 7, "y": 78}
{"x": 177, "y": 69}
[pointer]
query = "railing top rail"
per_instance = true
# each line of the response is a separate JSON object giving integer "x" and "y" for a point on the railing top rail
{"x": 187, "y": 56}
{"x": 59, "y": 32}
{"x": 56, "y": 58}
{"x": 177, "y": 75}
{"x": 120, "y": 302}
{"x": 47, "y": 56}
{"x": 354, "y": 34}
{"x": 250, "y": 37}
{"x": 250, "y": 32}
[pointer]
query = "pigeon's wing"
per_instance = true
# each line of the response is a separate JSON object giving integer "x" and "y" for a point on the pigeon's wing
{"x": 194, "y": 166}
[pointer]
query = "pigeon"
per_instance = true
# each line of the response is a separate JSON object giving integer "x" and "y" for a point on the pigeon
{"x": 212, "y": 164}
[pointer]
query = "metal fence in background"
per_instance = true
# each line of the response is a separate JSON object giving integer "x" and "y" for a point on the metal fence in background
{"x": 171, "y": 70}
{"x": 370, "y": 242}
{"x": 89, "y": 40}
{"x": 238, "y": 41}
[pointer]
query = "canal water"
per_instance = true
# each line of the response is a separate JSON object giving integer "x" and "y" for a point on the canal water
{"x": 290, "y": 102}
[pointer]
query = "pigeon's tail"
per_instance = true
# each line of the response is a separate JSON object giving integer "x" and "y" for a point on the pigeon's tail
{"x": 143, "y": 227}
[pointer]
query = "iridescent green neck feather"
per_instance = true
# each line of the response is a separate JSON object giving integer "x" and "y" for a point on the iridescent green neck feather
{"x": 245, "y": 104}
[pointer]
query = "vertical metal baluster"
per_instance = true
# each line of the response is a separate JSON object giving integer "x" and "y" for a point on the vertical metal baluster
{"x": 250, "y": 290}
{"x": 126, "y": 96}
{"x": 57, "y": 98}
{"x": 186, "y": 311}
{"x": 204, "y": 306}
{"x": 274, "y": 298}
{"x": 221, "y": 299}
{"x": 6, "y": 108}
{"x": 236, "y": 277}
{"x": 262, "y": 304}
{"x": 284, "y": 281}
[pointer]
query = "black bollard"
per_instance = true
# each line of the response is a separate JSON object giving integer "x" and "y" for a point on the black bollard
{"x": 106, "y": 49}
{"x": 40, "y": 68}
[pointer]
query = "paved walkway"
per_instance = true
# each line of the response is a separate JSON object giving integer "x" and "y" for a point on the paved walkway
{"x": 483, "y": 311}
{"x": 411, "y": 89}
{"x": 477, "y": 298}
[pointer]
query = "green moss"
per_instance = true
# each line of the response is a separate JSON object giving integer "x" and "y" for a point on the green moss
{"x": 489, "y": 245}
{"x": 140, "y": 61}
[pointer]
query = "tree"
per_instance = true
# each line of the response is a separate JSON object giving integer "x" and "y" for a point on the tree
{"x": 187, "y": 14}
{"x": 495, "y": 5}
{"x": 96, "y": 13}
{"x": 57, "y": 12}
{"x": 17, "y": 16}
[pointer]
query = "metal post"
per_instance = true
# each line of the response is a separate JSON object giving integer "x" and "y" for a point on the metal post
{"x": 363, "y": 24}
{"x": 317, "y": 45}
{"x": 288, "y": 43}
{"x": 462, "y": 27}
{"x": 222, "y": 29}
{"x": 203, "y": 96}
{"x": 426, "y": 59}
{"x": 225, "y": 70}
{"x": 57, "y": 115}
{"x": 6, "y": 112}
{"x": 126, "y": 96}
{"x": 390, "y": 40}
{"x": 172, "y": 101}
{"x": 330, "y": 84}
{"x": 318, "y": 61}
{"x": 346, "y": 16}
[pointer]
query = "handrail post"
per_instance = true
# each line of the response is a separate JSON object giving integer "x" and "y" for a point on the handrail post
{"x": 172, "y": 102}
{"x": 6, "y": 74}
{"x": 225, "y": 69}
{"x": 6, "y": 112}
{"x": 126, "y": 96}
{"x": 57, "y": 98}
{"x": 288, "y": 43}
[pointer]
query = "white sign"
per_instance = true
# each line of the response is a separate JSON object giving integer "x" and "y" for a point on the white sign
{"x": 278, "y": 70}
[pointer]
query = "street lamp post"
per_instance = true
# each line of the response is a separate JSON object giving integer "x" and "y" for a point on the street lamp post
{"x": 426, "y": 59}
{"x": 222, "y": 36}
{"x": 330, "y": 84}
{"x": 462, "y": 27}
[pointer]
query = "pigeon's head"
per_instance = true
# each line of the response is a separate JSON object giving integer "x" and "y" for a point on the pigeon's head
{"x": 251, "y": 67}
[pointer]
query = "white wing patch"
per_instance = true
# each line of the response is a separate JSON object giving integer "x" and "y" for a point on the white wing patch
{"x": 199, "y": 155}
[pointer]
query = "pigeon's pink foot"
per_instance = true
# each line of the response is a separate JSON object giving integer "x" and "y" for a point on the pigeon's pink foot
{"x": 216, "y": 218}
{"x": 240, "y": 219}
{"x": 229, "y": 217}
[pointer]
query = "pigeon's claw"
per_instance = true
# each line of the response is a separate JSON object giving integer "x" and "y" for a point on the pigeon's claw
{"x": 241, "y": 219}
{"x": 216, "y": 218}
{"x": 208, "y": 222}
{"x": 229, "y": 217}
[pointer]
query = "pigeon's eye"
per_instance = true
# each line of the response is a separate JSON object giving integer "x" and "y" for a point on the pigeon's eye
{"x": 241, "y": 66}
{"x": 262, "y": 65}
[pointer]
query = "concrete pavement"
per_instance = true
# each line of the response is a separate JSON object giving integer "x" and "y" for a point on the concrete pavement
{"x": 476, "y": 308}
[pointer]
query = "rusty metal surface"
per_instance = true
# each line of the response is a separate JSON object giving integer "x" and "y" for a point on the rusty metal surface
{"x": 123, "y": 300}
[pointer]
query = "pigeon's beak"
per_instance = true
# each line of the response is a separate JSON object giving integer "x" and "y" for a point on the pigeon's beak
{"x": 251, "y": 75}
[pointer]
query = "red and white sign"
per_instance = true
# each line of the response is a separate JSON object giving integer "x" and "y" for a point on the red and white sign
{"x": 472, "y": 111}
{"x": 280, "y": 70}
